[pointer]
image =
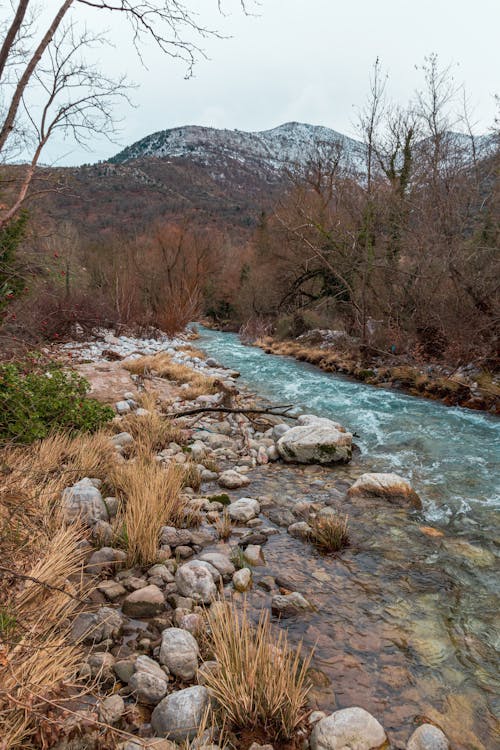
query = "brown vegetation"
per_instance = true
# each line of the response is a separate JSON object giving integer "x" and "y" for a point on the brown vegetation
{"x": 41, "y": 567}
{"x": 329, "y": 533}
{"x": 259, "y": 683}
{"x": 162, "y": 366}
{"x": 150, "y": 498}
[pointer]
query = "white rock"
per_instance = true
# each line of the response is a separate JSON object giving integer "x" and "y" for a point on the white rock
{"x": 232, "y": 480}
{"x": 244, "y": 509}
{"x": 242, "y": 579}
{"x": 219, "y": 561}
{"x": 83, "y": 501}
{"x": 196, "y": 582}
{"x": 179, "y": 652}
{"x": 253, "y": 555}
{"x": 122, "y": 407}
{"x": 319, "y": 440}
{"x": 348, "y": 729}
{"x": 289, "y": 604}
{"x": 122, "y": 439}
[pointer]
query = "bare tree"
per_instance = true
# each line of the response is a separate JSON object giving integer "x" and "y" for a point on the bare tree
{"x": 79, "y": 98}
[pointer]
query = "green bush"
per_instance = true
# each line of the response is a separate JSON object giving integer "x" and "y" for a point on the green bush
{"x": 36, "y": 400}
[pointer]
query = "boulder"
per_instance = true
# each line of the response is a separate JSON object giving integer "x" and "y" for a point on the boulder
{"x": 244, "y": 509}
{"x": 316, "y": 441}
{"x": 232, "y": 480}
{"x": 352, "y": 728}
{"x": 122, "y": 407}
{"x": 145, "y": 602}
{"x": 94, "y": 627}
{"x": 428, "y": 737}
{"x": 196, "y": 582}
{"x": 179, "y": 715}
{"x": 253, "y": 555}
{"x": 390, "y": 487}
{"x": 123, "y": 439}
{"x": 83, "y": 501}
{"x": 179, "y": 652}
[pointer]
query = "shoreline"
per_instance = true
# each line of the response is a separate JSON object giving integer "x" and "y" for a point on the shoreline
{"x": 240, "y": 473}
{"x": 408, "y": 378}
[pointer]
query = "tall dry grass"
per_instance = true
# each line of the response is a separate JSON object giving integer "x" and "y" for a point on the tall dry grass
{"x": 42, "y": 584}
{"x": 259, "y": 683}
{"x": 36, "y": 652}
{"x": 163, "y": 366}
{"x": 151, "y": 498}
{"x": 152, "y": 432}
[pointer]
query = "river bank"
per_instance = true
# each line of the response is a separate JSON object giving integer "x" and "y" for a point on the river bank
{"x": 382, "y": 615}
{"x": 468, "y": 386}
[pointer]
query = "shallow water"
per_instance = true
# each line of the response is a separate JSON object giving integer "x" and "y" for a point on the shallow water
{"x": 406, "y": 625}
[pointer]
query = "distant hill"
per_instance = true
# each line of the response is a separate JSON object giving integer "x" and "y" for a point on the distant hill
{"x": 211, "y": 176}
{"x": 267, "y": 152}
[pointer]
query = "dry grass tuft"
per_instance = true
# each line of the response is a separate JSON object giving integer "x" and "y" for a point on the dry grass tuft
{"x": 223, "y": 526}
{"x": 330, "y": 533}
{"x": 191, "y": 475}
{"x": 192, "y": 351}
{"x": 163, "y": 366}
{"x": 33, "y": 479}
{"x": 151, "y": 496}
{"x": 210, "y": 464}
{"x": 260, "y": 684}
{"x": 152, "y": 432}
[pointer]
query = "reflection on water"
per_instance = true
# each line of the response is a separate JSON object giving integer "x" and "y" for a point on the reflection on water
{"x": 406, "y": 624}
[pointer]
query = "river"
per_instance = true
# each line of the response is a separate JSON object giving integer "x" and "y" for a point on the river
{"x": 406, "y": 620}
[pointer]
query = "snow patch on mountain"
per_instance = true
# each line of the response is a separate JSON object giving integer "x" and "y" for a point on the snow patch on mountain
{"x": 272, "y": 150}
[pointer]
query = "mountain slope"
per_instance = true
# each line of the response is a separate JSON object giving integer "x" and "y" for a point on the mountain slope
{"x": 266, "y": 152}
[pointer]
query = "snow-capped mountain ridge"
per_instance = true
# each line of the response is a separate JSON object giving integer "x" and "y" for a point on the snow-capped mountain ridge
{"x": 234, "y": 154}
{"x": 268, "y": 150}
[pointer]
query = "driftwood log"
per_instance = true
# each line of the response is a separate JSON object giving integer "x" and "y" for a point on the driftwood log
{"x": 275, "y": 411}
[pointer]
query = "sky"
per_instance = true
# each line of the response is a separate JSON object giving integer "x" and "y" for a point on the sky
{"x": 301, "y": 60}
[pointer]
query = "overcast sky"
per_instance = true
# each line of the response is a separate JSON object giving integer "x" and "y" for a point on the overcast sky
{"x": 304, "y": 60}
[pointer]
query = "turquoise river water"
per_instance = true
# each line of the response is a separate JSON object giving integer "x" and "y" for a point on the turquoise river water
{"x": 407, "y": 623}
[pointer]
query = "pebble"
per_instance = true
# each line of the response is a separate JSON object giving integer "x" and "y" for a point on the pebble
{"x": 242, "y": 579}
{"x": 289, "y": 604}
{"x": 111, "y": 709}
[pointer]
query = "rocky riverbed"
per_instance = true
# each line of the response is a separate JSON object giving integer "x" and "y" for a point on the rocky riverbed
{"x": 385, "y": 673}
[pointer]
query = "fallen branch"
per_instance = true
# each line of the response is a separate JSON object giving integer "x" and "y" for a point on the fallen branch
{"x": 23, "y": 577}
{"x": 275, "y": 411}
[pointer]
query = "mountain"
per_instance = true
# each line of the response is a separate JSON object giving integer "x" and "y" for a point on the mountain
{"x": 266, "y": 152}
{"x": 216, "y": 177}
